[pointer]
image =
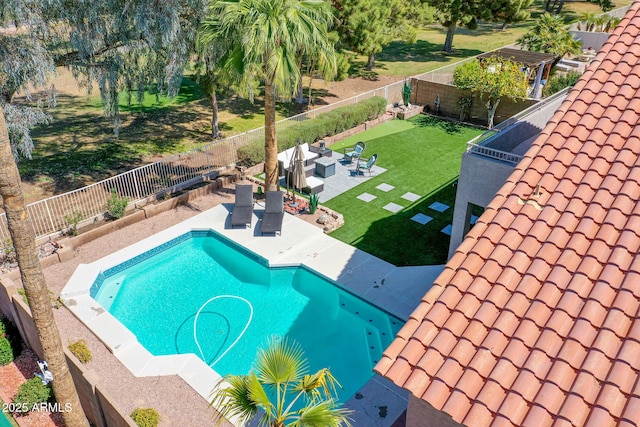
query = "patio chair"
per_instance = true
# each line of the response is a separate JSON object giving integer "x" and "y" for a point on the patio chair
{"x": 243, "y": 207}
{"x": 354, "y": 152}
{"x": 366, "y": 166}
{"x": 273, "y": 213}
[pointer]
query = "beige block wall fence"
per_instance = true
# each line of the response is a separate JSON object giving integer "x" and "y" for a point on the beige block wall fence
{"x": 426, "y": 93}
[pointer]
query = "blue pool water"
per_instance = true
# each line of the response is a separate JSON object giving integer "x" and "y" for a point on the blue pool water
{"x": 4, "y": 421}
{"x": 202, "y": 283}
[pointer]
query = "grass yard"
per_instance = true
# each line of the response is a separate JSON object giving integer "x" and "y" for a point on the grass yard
{"x": 422, "y": 156}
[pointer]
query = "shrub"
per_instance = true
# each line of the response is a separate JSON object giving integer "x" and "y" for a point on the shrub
{"x": 558, "y": 82}
{"x": 32, "y": 393}
{"x": 116, "y": 205}
{"x": 80, "y": 350}
{"x": 145, "y": 417}
{"x": 73, "y": 219}
{"x": 6, "y": 352}
{"x": 342, "y": 65}
{"x": 311, "y": 130}
{"x": 10, "y": 331}
{"x": 251, "y": 154}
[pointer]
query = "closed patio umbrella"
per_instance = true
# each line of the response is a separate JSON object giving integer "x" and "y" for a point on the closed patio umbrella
{"x": 298, "y": 177}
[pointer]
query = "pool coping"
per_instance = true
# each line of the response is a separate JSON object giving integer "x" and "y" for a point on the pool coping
{"x": 300, "y": 243}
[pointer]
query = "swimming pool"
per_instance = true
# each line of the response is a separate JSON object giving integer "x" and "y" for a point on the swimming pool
{"x": 4, "y": 420}
{"x": 203, "y": 294}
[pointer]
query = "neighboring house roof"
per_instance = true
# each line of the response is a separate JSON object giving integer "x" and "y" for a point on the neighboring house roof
{"x": 535, "y": 318}
{"x": 523, "y": 57}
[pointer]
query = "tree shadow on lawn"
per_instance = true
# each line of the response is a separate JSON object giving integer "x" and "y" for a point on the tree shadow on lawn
{"x": 403, "y": 242}
{"x": 421, "y": 51}
{"x": 246, "y": 109}
{"x": 358, "y": 69}
{"x": 82, "y": 149}
{"x": 449, "y": 126}
{"x": 483, "y": 29}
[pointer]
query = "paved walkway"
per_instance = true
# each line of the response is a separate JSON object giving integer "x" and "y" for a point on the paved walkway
{"x": 344, "y": 179}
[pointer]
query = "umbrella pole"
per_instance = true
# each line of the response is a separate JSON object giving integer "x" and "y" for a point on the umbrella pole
{"x": 290, "y": 178}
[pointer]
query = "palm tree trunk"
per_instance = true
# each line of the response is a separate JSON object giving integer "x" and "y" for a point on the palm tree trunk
{"x": 448, "y": 42}
{"x": 23, "y": 238}
{"x": 215, "y": 126}
{"x": 270, "y": 141}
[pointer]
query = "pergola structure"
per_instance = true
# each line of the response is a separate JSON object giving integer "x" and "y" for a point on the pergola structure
{"x": 533, "y": 62}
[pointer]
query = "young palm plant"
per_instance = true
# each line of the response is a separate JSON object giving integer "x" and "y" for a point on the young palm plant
{"x": 280, "y": 388}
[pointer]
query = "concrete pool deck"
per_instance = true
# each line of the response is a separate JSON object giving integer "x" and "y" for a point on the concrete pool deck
{"x": 396, "y": 290}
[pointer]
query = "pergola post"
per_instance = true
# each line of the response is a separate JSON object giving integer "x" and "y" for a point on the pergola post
{"x": 537, "y": 86}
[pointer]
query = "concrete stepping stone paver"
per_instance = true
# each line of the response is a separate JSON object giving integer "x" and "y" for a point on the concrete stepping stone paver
{"x": 474, "y": 218}
{"x": 440, "y": 207}
{"x": 421, "y": 218}
{"x": 366, "y": 197}
{"x": 447, "y": 230}
{"x": 412, "y": 197}
{"x": 392, "y": 207}
{"x": 385, "y": 187}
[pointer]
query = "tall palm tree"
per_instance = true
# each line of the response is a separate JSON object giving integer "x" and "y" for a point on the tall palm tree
{"x": 265, "y": 38}
{"x": 23, "y": 238}
{"x": 280, "y": 372}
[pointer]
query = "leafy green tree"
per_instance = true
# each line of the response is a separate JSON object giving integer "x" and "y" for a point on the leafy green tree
{"x": 114, "y": 44}
{"x": 280, "y": 386}
{"x": 493, "y": 78}
{"x": 511, "y": 11}
{"x": 265, "y": 39}
{"x": 453, "y": 13}
{"x": 549, "y": 35}
{"x": 367, "y": 26}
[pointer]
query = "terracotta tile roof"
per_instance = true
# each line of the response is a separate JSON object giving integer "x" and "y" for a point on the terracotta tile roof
{"x": 535, "y": 318}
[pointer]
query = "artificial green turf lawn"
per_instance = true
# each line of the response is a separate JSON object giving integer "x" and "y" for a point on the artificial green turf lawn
{"x": 422, "y": 155}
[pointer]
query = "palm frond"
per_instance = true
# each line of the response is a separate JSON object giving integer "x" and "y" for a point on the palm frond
{"x": 322, "y": 414}
{"x": 321, "y": 384}
{"x": 281, "y": 362}
{"x": 232, "y": 399}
